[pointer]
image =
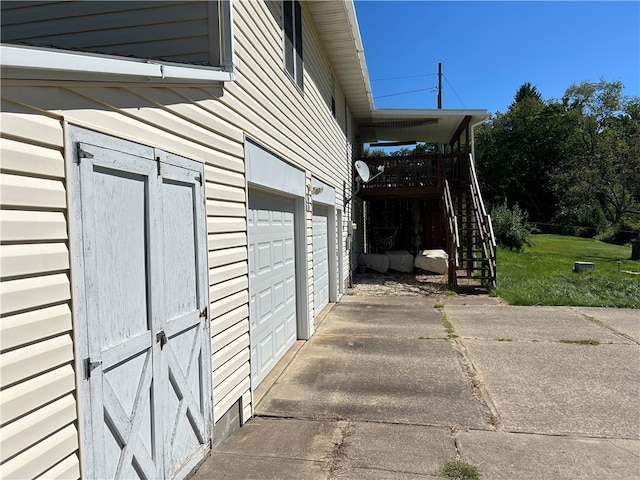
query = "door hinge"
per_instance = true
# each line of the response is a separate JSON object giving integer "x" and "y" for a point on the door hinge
{"x": 80, "y": 153}
{"x": 89, "y": 366}
{"x": 203, "y": 313}
{"x": 199, "y": 178}
{"x": 159, "y": 166}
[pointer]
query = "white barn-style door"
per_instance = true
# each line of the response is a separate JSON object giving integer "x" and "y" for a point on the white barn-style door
{"x": 185, "y": 355}
{"x": 141, "y": 296}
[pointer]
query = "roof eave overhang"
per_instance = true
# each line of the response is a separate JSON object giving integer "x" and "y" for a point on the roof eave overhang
{"x": 337, "y": 26}
{"x": 419, "y": 125}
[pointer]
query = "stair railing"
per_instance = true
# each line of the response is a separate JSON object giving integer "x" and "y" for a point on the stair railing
{"x": 485, "y": 227}
{"x": 452, "y": 234}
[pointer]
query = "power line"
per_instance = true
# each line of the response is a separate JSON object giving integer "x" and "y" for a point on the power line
{"x": 408, "y": 76}
{"x": 454, "y": 91}
{"x": 431, "y": 89}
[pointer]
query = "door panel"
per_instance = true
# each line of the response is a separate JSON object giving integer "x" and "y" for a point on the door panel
{"x": 115, "y": 194}
{"x": 185, "y": 317}
{"x": 272, "y": 280}
{"x": 145, "y": 285}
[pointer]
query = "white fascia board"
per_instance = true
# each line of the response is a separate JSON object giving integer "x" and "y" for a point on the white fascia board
{"x": 45, "y": 60}
{"x": 424, "y": 112}
{"x": 359, "y": 47}
{"x": 327, "y": 195}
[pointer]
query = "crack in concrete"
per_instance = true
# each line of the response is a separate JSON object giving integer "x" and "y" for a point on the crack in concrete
{"x": 602, "y": 324}
{"x": 479, "y": 390}
{"x": 339, "y": 457}
{"x": 477, "y": 386}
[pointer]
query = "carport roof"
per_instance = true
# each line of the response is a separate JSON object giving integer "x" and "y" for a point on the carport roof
{"x": 337, "y": 25}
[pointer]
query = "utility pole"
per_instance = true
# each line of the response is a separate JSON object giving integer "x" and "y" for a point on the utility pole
{"x": 439, "y": 84}
{"x": 440, "y": 145}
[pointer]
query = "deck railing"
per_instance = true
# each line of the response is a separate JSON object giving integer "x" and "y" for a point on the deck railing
{"x": 416, "y": 172}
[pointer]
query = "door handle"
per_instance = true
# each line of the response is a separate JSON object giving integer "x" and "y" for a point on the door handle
{"x": 162, "y": 338}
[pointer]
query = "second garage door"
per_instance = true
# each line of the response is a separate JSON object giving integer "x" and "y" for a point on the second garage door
{"x": 272, "y": 280}
{"x": 320, "y": 258}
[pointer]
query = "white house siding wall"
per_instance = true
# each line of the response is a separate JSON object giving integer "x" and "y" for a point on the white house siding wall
{"x": 198, "y": 122}
{"x": 38, "y": 434}
{"x": 38, "y": 378}
{"x": 296, "y": 125}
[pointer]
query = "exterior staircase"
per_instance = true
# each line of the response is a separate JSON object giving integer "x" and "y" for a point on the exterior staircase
{"x": 470, "y": 240}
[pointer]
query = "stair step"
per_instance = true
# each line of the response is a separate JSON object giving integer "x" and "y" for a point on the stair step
{"x": 472, "y": 277}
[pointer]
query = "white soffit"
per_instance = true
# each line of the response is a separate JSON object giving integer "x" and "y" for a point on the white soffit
{"x": 337, "y": 26}
{"x": 422, "y": 125}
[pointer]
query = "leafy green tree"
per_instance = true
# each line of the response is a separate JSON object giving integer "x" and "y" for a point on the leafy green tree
{"x": 575, "y": 162}
{"x": 518, "y": 151}
{"x": 527, "y": 90}
{"x": 600, "y": 182}
{"x": 373, "y": 153}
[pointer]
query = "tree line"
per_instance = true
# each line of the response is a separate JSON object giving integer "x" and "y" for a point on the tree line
{"x": 573, "y": 165}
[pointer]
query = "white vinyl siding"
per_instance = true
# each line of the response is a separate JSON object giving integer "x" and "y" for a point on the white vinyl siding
{"x": 201, "y": 122}
{"x": 36, "y": 348}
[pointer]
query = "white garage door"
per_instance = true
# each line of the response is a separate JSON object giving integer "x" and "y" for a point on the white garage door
{"x": 320, "y": 258}
{"x": 272, "y": 281}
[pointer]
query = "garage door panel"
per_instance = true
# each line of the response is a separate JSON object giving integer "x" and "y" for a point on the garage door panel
{"x": 280, "y": 338}
{"x": 278, "y": 253}
{"x": 272, "y": 280}
{"x": 264, "y": 257}
{"x": 278, "y": 297}
{"x": 264, "y": 306}
{"x": 320, "y": 258}
{"x": 289, "y": 250}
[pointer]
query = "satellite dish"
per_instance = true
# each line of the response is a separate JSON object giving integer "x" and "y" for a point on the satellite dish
{"x": 363, "y": 170}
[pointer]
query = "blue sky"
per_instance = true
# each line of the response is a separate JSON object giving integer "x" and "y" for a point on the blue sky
{"x": 488, "y": 49}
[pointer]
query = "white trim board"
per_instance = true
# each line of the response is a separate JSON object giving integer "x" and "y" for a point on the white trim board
{"x": 269, "y": 171}
{"x": 43, "y": 63}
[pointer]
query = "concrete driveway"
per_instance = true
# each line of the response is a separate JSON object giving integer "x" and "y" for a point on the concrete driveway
{"x": 384, "y": 391}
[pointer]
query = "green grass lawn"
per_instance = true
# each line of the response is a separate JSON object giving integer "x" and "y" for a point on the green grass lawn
{"x": 543, "y": 274}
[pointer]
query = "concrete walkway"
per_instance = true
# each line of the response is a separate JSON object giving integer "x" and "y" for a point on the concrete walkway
{"x": 383, "y": 391}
